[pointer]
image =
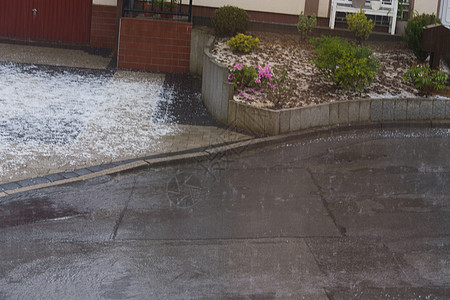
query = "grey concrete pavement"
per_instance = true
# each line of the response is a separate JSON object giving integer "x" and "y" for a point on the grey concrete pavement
{"x": 358, "y": 215}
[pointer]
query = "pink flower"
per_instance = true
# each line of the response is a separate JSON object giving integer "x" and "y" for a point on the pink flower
{"x": 265, "y": 73}
{"x": 238, "y": 66}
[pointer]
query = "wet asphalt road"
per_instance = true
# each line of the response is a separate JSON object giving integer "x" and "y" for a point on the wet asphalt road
{"x": 356, "y": 215}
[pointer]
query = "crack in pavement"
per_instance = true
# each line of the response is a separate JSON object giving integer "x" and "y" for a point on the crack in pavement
{"x": 122, "y": 213}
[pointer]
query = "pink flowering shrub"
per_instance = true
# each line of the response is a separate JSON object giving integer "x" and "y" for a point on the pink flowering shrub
{"x": 274, "y": 83}
{"x": 248, "y": 79}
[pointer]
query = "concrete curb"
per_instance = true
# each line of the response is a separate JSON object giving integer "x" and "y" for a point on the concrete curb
{"x": 217, "y": 152}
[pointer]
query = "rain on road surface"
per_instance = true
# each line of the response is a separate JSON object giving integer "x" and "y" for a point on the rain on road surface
{"x": 355, "y": 215}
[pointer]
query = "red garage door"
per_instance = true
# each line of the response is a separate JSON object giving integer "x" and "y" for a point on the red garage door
{"x": 65, "y": 21}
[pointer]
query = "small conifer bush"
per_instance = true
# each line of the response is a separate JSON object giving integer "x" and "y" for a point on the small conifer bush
{"x": 360, "y": 25}
{"x": 306, "y": 24}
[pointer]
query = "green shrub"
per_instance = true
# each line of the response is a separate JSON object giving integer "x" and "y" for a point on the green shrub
{"x": 356, "y": 69}
{"x": 425, "y": 79}
{"x": 328, "y": 51}
{"x": 243, "y": 43}
{"x": 306, "y": 24}
{"x": 414, "y": 33}
{"x": 229, "y": 20}
{"x": 281, "y": 87}
{"x": 348, "y": 65}
{"x": 359, "y": 25}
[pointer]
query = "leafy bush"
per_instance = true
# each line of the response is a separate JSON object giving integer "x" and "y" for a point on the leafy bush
{"x": 229, "y": 20}
{"x": 425, "y": 79}
{"x": 348, "y": 65}
{"x": 356, "y": 69}
{"x": 414, "y": 33}
{"x": 243, "y": 43}
{"x": 306, "y": 24}
{"x": 359, "y": 25}
{"x": 328, "y": 51}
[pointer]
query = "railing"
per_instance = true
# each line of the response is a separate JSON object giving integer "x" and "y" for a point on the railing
{"x": 157, "y": 8}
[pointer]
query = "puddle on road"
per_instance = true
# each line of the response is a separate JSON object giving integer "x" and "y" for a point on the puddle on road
{"x": 33, "y": 210}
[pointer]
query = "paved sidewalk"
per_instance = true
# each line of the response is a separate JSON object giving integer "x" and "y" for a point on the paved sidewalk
{"x": 116, "y": 130}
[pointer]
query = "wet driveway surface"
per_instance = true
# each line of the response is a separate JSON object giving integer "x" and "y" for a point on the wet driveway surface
{"x": 351, "y": 216}
{"x": 57, "y": 119}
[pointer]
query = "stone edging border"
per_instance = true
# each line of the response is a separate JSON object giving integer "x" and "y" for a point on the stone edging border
{"x": 263, "y": 121}
{"x": 217, "y": 95}
{"x": 215, "y": 153}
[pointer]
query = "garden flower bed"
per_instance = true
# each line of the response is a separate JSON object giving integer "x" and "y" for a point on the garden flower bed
{"x": 288, "y": 53}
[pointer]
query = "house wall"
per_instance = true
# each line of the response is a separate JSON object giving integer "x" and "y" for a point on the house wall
{"x": 427, "y": 6}
{"x": 291, "y": 7}
{"x": 324, "y": 8}
{"x": 295, "y": 7}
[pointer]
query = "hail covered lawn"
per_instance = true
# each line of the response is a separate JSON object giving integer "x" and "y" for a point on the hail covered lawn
{"x": 68, "y": 118}
{"x": 288, "y": 52}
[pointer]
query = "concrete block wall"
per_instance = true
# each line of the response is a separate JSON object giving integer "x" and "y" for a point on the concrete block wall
{"x": 217, "y": 95}
{"x": 154, "y": 45}
{"x": 103, "y": 26}
{"x": 263, "y": 121}
{"x": 200, "y": 39}
{"x": 216, "y": 90}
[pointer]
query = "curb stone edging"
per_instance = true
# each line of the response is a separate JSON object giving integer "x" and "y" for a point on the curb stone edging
{"x": 232, "y": 149}
{"x": 217, "y": 95}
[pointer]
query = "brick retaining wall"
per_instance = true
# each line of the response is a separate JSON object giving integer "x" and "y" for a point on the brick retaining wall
{"x": 154, "y": 45}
